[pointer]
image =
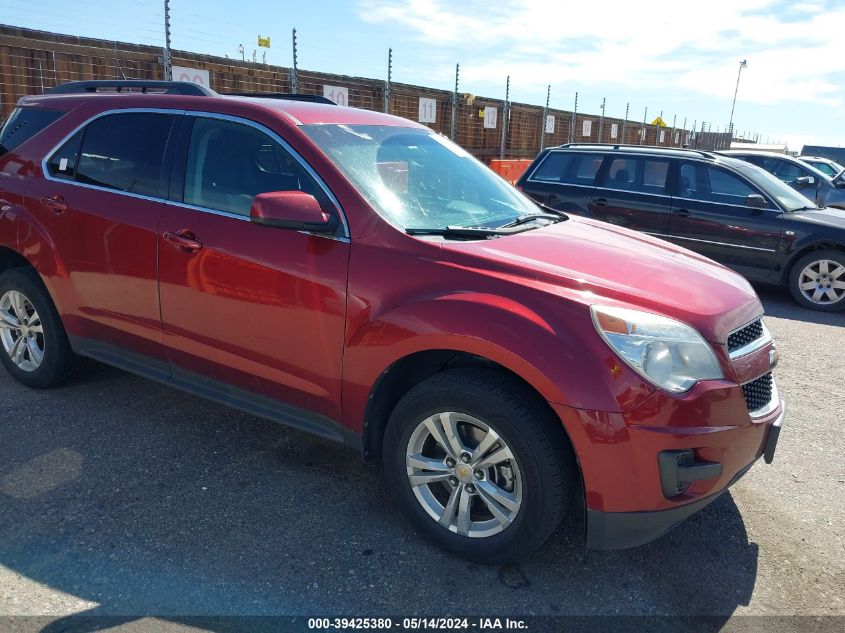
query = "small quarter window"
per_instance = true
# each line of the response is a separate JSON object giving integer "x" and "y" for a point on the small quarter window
{"x": 63, "y": 162}
{"x": 569, "y": 168}
{"x": 23, "y": 125}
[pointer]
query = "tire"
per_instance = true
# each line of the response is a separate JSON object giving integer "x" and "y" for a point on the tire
{"x": 537, "y": 483}
{"x": 48, "y": 334}
{"x": 819, "y": 268}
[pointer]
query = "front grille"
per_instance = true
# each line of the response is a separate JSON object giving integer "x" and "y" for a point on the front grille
{"x": 746, "y": 335}
{"x": 758, "y": 392}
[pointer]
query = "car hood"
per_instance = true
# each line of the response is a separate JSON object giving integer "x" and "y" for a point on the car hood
{"x": 595, "y": 262}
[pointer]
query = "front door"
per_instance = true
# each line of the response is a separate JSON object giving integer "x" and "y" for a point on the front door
{"x": 710, "y": 216}
{"x": 250, "y": 313}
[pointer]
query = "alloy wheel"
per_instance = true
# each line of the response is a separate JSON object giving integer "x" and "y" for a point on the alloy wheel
{"x": 21, "y": 331}
{"x": 823, "y": 282}
{"x": 464, "y": 475}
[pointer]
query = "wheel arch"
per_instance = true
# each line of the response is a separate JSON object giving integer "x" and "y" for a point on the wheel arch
{"x": 804, "y": 250}
{"x": 408, "y": 371}
{"x": 10, "y": 258}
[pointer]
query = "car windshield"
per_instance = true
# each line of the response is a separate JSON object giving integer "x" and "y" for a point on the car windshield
{"x": 416, "y": 178}
{"x": 788, "y": 198}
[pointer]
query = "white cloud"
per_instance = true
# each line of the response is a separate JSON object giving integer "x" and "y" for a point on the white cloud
{"x": 793, "y": 51}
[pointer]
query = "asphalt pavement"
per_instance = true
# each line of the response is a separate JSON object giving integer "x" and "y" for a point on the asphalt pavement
{"x": 122, "y": 497}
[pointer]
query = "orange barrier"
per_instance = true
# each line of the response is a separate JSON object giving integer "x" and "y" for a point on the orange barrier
{"x": 510, "y": 169}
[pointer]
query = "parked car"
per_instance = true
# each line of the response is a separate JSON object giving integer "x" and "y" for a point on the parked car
{"x": 358, "y": 276}
{"x": 825, "y": 165}
{"x": 809, "y": 181}
{"x": 715, "y": 205}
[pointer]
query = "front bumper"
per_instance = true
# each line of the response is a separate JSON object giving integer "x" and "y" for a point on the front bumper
{"x": 620, "y": 530}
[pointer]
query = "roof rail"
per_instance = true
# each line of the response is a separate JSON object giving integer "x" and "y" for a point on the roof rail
{"x": 701, "y": 152}
{"x": 132, "y": 86}
{"x": 281, "y": 95}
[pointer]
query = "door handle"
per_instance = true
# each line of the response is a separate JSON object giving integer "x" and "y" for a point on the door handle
{"x": 600, "y": 202}
{"x": 682, "y": 213}
{"x": 183, "y": 240}
{"x": 56, "y": 203}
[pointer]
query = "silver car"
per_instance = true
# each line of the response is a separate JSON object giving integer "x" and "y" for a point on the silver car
{"x": 814, "y": 184}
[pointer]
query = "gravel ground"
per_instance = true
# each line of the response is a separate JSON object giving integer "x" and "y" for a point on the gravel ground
{"x": 122, "y": 497}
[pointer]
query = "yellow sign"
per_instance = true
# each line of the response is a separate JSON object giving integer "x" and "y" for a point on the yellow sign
{"x": 264, "y": 42}
{"x": 659, "y": 121}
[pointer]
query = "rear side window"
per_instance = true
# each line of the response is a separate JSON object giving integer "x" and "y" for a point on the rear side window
{"x": 23, "y": 125}
{"x": 229, "y": 163}
{"x": 640, "y": 174}
{"x": 569, "y": 167}
{"x": 125, "y": 152}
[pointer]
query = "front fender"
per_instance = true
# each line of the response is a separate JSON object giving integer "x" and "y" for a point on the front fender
{"x": 556, "y": 351}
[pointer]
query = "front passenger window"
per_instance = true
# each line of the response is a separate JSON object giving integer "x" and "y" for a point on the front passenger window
{"x": 727, "y": 188}
{"x": 230, "y": 163}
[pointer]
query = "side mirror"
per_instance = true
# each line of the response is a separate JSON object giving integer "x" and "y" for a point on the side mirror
{"x": 756, "y": 201}
{"x": 805, "y": 181}
{"x": 295, "y": 210}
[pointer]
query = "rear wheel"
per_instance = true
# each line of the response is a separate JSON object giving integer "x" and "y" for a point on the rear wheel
{"x": 817, "y": 280}
{"x": 33, "y": 343}
{"x": 479, "y": 464}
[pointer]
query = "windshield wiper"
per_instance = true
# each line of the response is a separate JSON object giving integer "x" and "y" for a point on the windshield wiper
{"x": 552, "y": 210}
{"x": 467, "y": 232}
{"x": 525, "y": 219}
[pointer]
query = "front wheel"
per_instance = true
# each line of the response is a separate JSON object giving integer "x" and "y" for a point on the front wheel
{"x": 479, "y": 464}
{"x": 817, "y": 280}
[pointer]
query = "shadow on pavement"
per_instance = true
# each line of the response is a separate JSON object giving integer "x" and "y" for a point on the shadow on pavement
{"x": 779, "y": 303}
{"x": 148, "y": 501}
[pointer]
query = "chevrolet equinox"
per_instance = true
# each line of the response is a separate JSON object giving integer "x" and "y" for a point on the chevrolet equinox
{"x": 358, "y": 276}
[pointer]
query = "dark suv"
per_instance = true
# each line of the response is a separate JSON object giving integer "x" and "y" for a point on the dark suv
{"x": 721, "y": 207}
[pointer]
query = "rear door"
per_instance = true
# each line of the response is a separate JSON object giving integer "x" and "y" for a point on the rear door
{"x": 564, "y": 180}
{"x": 632, "y": 192}
{"x": 710, "y": 216}
{"x": 99, "y": 202}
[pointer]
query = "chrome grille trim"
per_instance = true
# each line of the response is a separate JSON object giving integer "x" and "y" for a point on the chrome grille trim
{"x": 774, "y": 396}
{"x": 740, "y": 335}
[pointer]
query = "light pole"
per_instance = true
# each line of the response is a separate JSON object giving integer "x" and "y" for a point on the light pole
{"x": 742, "y": 64}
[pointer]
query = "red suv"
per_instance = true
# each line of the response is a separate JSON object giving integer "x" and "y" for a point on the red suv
{"x": 358, "y": 276}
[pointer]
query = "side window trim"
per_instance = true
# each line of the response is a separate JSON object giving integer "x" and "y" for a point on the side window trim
{"x": 183, "y": 147}
{"x": 45, "y": 162}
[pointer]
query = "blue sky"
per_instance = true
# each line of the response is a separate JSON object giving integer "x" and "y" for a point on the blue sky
{"x": 680, "y": 58}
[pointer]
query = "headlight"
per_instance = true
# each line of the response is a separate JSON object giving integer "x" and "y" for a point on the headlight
{"x": 668, "y": 353}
